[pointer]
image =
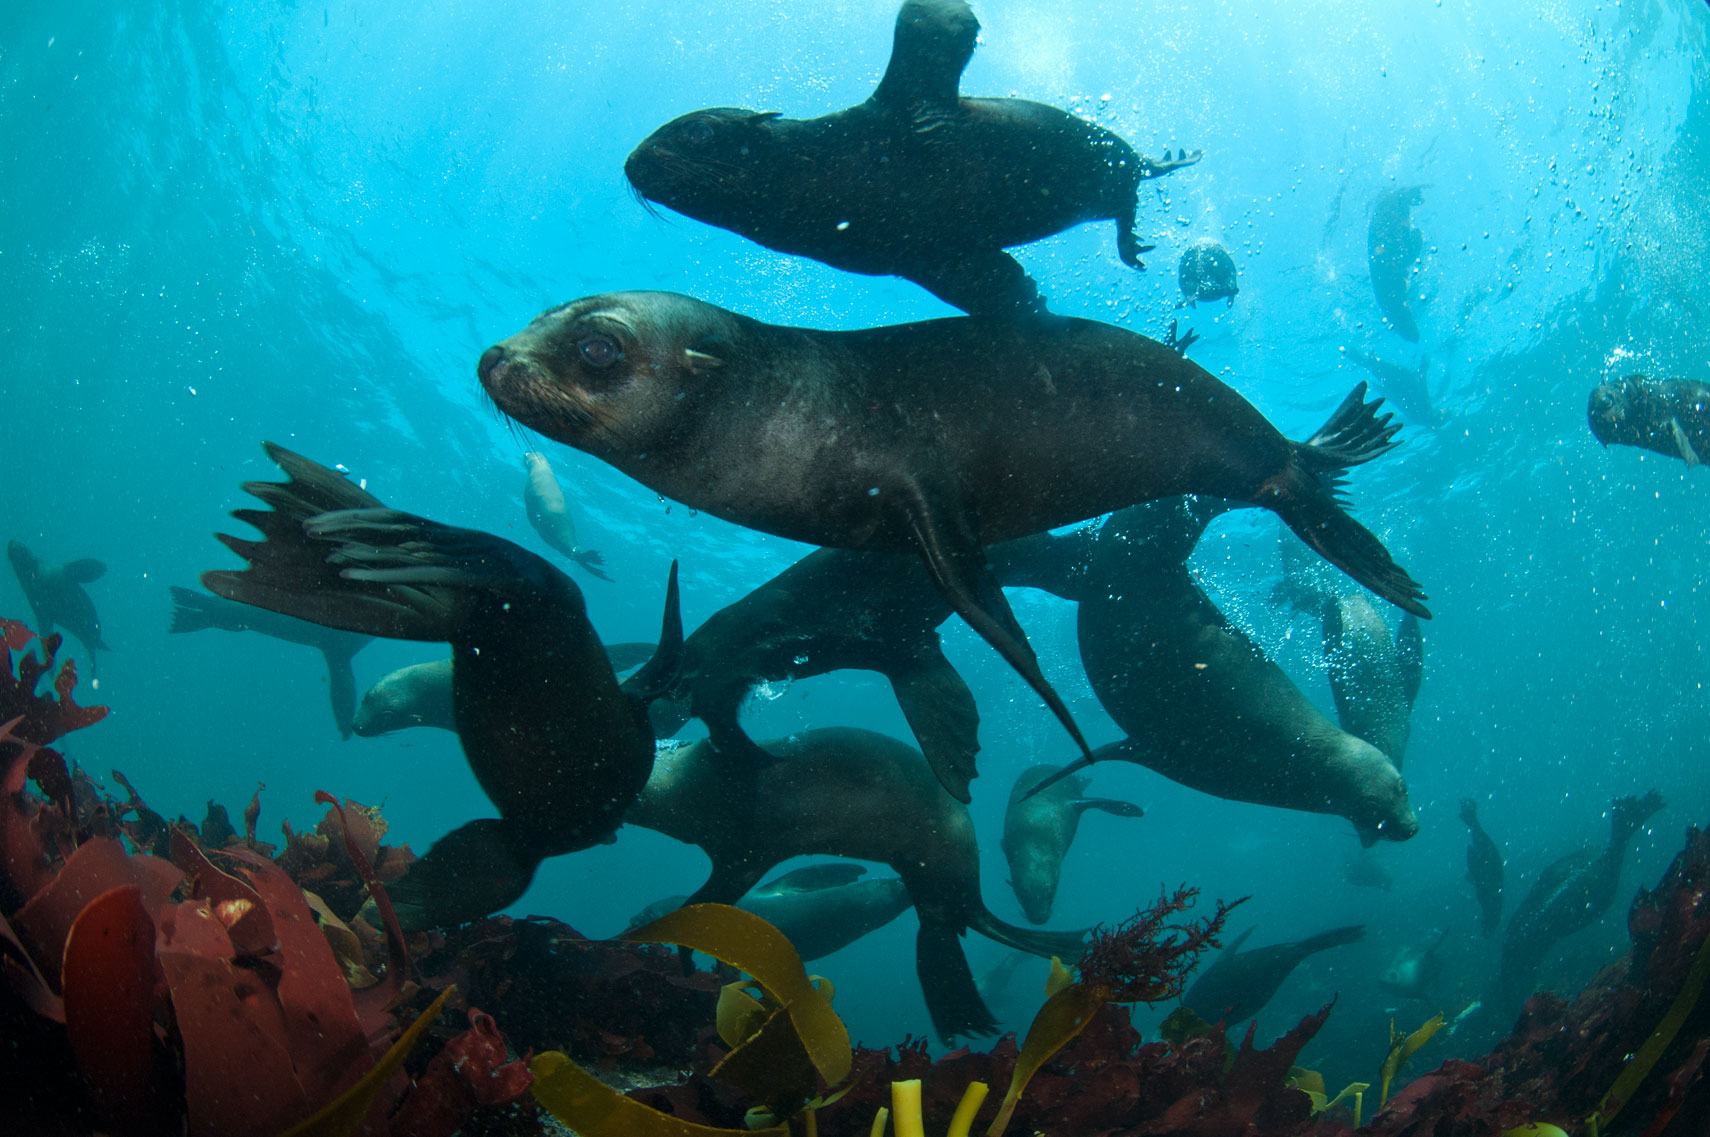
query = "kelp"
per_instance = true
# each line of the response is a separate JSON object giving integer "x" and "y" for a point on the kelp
{"x": 1311, "y": 1083}
{"x": 594, "y": 1109}
{"x": 1647, "y": 1056}
{"x": 1064, "y": 1015}
{"x": 1401, "y": 1048}
{"x": 910, "y": 1122}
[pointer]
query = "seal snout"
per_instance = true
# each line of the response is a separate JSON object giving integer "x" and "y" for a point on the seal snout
{"x": 491, "y": 359}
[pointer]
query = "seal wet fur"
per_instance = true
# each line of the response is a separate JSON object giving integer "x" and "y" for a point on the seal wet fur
{"x": 558, "y": 746}
{"x": 916, "y": 181}
{"x": 940, "y": 437}
{"x": 845, "y": 793}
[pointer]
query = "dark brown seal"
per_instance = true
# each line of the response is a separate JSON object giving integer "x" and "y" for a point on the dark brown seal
{"x": 1668, "y": 416}
{"x": 939, "y": 437}
{"x": 915, "y": 182}
{"x": 558, "y": 745}
{"x": 845, "y": 793}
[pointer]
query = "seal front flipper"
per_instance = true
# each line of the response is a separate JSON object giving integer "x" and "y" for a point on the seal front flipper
{"x": 476, "y": 869}
{"x": 981, "y": 282}
{"x": 952, "y": 997}
{"x": 957, "y": 564}
{"x": 1682, "y": 446}
{"x": 657, "y": 675}
{"x": 933, "y": 42}
{"x": 1111, "y": 806}
{"x": 341, "y": 689}
{"x": 941, "y": 711}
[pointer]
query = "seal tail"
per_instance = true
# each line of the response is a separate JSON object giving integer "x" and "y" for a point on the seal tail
{"x": 952, "y": 997}
{"x": 1308, "y": 498}
{"x": 1033, "y": 941}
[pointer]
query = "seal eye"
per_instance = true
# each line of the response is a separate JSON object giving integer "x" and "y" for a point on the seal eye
{"x": 599, "y": 350}
{"x": 698, "y": 133}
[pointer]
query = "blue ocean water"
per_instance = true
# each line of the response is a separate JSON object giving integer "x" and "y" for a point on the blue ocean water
{"x": 223, "y": 224}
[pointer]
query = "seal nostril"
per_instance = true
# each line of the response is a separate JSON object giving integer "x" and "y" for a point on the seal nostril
{"x": 490, "y": 359}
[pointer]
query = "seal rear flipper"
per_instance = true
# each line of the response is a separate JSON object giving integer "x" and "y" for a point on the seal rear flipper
{"x": 1410, "y": 655}
{"x": 941, "y": 711}
{"x": 1111, "y": 806}
{"x": 1335, "y": 937}
{"x": 659, "y": 673}
{"x": 592, "y": 562}
{"x": 192, "y": 611}
{"x": 952, "y": 997}
{"x": 471, "y": 872}
{"x": 1066, "y": 946}
{"x": 958, "y": 566}
{"x": 1121, "y": 751}
{"x": 933, "y": 42}
{"x": 981, "y": 282}
{"x": 341, "y": 689}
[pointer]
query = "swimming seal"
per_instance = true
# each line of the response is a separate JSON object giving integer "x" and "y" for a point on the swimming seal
{"x": 844, "y": 793}
{"x": 916, "y": 182}
{"x": 1374, "y": 676}
{"x": 1207, "y": 272}
{"x": 58, "y": 597}
{"x": 1038, "y": 831}
{"x": 195, "y": 611}
{"x": 549, "y": 513}
{"x": 1239, "y": 983}
{"x": 1408, "y": 389}
{"x": 1484, "y": 869}
{"x": 1668, "y": 416}
{"x": 1393, "y": 246}
{"x": 940, "y": 437}
{"x": 558, "y": 746}
{"x": 1200, "y": 702}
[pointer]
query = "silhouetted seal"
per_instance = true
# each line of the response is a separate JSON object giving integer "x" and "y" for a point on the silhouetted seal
{"x": 549, "y": 513}
{"x": 1374, "y": 676}
{"x": 1484, "y": 869}
{"x": 1668, "y": 416}
{"x": 1239, "y": 983}
{"x": 557, "y": 745}
{"x": 915, "y": 182}
{"x": 1408, "y": 389}
{"x": 940, "y": 437}
{"x": 196, "y": 611}
{"x": 1393, "y": 246}
{"x": 1200, "y": 702}
{"x": 1207, "y": 272}
{"x": 1038, "y": 831}
{"x": 844, "y": 793}
{"x": 58, "y": 598}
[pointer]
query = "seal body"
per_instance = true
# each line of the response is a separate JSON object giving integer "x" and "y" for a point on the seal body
{"x": 1393, "y": 246}
{"x": 417, "y": 695}
{"x": 557, "y": 745}
{"x": 1374, "y": 676}
{"x": 916, "y": 182}
{"x": 937, "y": 438}
{"x": 1207, "y": 272}
{"x": 1484, "y": 869}
{"x": 1239, "y": 983}
{"x": 196, "y": 611}
{"x": 844, "y": 793}
{"x": 549, "y": 513}
{"x": 58, "y": 597}
{"x": 1668, "y": 416}
{"x": 1038, "y": 831}
{"x": 1200, "y": 702}
{"x": 1407, "y": 388}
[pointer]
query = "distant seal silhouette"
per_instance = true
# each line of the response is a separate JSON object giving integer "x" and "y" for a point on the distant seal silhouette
{"x": 556, "y": 744}
{"x": 1484, "y": 869}
{"x": 845, "y": 793}
{"x": 1207, "y": 272}
{"x": 1200, "y": 702}
{"x": 194, "y": 611}
{"x": 916, "y": 182}
{"x": 1570, "y": 894}
{"x": 1039, "y": 830}
{"x": 549, "y": 513}
{"x": 1668, "y": 416}
{"x": 1393, "y": 246}
{"x": 58, "y": 597}
{"x": 1408, "y": 389}
{"x": 1414, "y": 972}
{"x": 1374, "y": 676}
{"x": 1239, "y": 983}
{"x": 940, "y": 437}
{"x": 820, "y": 909}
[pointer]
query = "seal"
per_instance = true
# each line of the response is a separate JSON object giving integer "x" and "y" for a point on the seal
{"x": 916, "y": 182}
{"x": 1207, "y": 272}
{"x": 1374, "y": 676}
{"x": 1668, "y": 416}
{"x": 844, "y": 793}
{"x": 557, "y": 745}
{"x": 1484, "y": 869}
{"x": 1239, "y": 983}
{"x": 549, "y": 513}
{"x": 1570, "y": 894}
{"x": 1393, "y": 246}
{"x": 1414, "y": 972}
{"x": 59, "y": 598}
{"x": 1200, "y": 702}
{"x": 1038, "y": 831}
{"x": 194, "y": 611}
{"x": 1407, "y": 389}
{"x": 939, "y": 437}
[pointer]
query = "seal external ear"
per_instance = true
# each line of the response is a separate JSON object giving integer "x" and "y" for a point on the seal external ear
{"x": 942, "y": 714}
{"x": 933, "y": 42}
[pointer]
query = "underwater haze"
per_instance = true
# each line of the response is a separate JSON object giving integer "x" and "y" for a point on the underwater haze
{"x": 223, "y": 224}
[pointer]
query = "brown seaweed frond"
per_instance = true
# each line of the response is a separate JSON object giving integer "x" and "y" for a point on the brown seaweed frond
{"x": 1147, "y": 958}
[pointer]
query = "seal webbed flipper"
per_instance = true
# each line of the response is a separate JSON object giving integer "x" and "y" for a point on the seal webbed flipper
{"x": 592, "y": 562}
{"x": 659, "y": 673}
{"x": 957, "y": 564}
{"x": 952, "y": 997}
{"x": 933, "y": 41}
{"x": 810, "y": 878}
{"x": 941, "y": 711}
{"x": 1682, "y": 445}
{"x": 1112, "y": 806}
{"x": 474, "y": 870}
{"x": 1035, "y": 941}
{"x": 981, "y": 282}
{"x": 1128, "y": 245}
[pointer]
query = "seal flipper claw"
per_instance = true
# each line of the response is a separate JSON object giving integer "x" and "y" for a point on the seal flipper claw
{"x": 942, "y": 714}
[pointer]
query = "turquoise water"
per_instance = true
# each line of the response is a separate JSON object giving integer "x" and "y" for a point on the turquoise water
{"x": 304, "y": 223}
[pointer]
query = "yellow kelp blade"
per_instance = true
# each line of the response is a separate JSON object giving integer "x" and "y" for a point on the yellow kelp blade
{"x": 1063, "y": 1016}
{"x": 1627, "y": 1083}
{"x": 1059, "y": 978}
{"x": 594, "y": 1109}
{"x": 344, "y": 1115}
{"x": 1400, "y": 1050}
{"x": 770, "y": 1065}
{"x": 1535, "y": 1129}
{"x": 739, "y": 1014}
{"x": 1353, "y": 1090}
{"x": 1310, "y": 1083}
{"x": 745, "y": 941}
{"x": 972, "y": 1098}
